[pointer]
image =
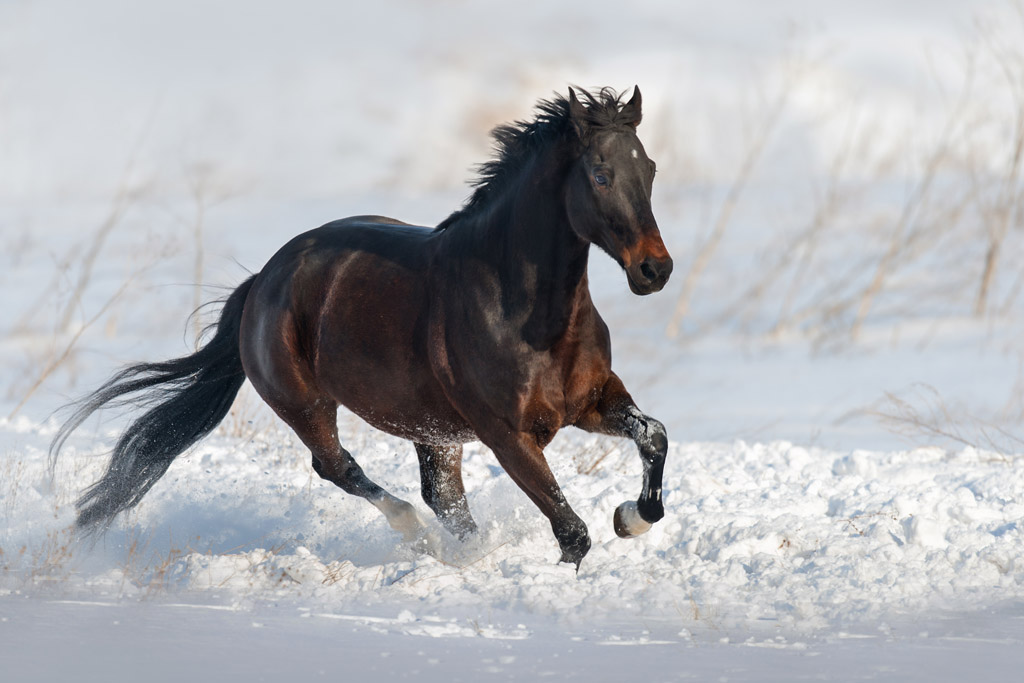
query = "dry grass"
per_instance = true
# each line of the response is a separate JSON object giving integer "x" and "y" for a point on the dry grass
{"x": 12, "y": 475}
{"x": 593, "y": 458}
{"x": 856, "y": 522}
{"x": 755, "y": 150}
{"x": 60, "y": 356}
{"x": 207, "y": 190}
{"x": 923, "y": 414}
{"x": 249, "y": 417}
{"x": 51, "y": 558}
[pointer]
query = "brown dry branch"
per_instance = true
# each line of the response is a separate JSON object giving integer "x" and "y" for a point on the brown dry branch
{"x": 1006, "y": 210}
{"x": 913, "y": 207}
{"x": 12, "y": 471}
{"x": 50, "y": 557}
{"x": 825, "y": 212}
{"x": 729, "y": 203}
{"x": 826, "y": 315}
{"x": 1013, "y": 292}
{"x": 124, "y": 197}
{"x": 939, "y": 236}
{"x": 248, "y": 418}
{"x": 589, "y": 461}
{"x": 850, "y": 522}
{"x": 207, "y": 191}
{"x": 801, "y": 247}
{"x": 150, "y": 570}
{"x": 58, "y": 359}
{"x": 927, "y": 415}
{"x": 122, "y": 201}
{"x": 337, "y": 571}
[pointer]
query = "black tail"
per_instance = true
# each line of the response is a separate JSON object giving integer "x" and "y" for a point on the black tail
{"x": 192, "y": 395}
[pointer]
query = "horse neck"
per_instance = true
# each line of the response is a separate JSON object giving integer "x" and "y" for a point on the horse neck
{"x": 537, "y": 238}
{"x": 540, "y": 262}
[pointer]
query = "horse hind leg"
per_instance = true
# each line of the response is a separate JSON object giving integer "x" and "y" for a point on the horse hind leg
{"x": 442, "y": 487}
{"x": 286, "y": 383}
{"x": 318, "y": 429}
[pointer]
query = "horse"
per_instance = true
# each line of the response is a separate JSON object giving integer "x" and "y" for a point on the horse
{"x": 479, "y": 329}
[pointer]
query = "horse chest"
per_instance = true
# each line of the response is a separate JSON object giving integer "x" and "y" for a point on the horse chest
{"x": 582, "y": 378}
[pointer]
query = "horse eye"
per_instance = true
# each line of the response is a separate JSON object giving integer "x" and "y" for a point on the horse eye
{"x": 600, "y": 179}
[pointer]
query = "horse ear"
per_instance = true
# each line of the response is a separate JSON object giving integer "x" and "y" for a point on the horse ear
{"x": 633, "y": 108}
{"x": 578, "y": 115}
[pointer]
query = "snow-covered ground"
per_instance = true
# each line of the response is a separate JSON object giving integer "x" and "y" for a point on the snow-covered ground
{"x": 844, "y": 489}
{"x": 773, "y": 560}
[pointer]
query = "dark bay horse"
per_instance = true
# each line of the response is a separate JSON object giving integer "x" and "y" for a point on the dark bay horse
{"x": 479, "y": 329}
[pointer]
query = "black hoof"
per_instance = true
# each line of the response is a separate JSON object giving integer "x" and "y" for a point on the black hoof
{"x": 462, "y": 529}
{"x": 575, "y": 553}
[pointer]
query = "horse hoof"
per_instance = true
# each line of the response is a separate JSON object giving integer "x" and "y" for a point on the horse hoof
{"x": 403, "y": 518}
{"x": 574, "y": 552}
{"x": 573, "y": 558}
{"x": 628, "y": 522}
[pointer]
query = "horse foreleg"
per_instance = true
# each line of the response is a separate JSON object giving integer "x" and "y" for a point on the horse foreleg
{"x": 442, "y": 487}
{"x": 523, "y": 459}
{"x": 616, "y": 414}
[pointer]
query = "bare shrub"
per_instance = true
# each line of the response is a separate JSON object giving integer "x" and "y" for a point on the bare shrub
{"x": 901, "y": 228}
{"x": 922, "y": 413}
{"x": 59, "y": 357}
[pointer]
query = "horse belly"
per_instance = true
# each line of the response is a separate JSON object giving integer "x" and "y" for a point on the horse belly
{"x": 402, "y": 401}
{"x": 372, "y": 359}
{"x": 421, "y": 425}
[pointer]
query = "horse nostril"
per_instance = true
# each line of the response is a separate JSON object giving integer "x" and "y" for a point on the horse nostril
{"x": 647, "y": 271}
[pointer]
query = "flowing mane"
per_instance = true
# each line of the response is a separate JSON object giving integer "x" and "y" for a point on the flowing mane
{"x": 517, "y": 142}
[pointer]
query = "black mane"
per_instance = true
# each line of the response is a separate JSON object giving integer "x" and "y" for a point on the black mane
{"x": 517, "y": 142}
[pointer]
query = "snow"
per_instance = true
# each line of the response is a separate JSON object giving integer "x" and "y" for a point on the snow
{"x": 838, "y": 506}
{"x": 771, "y": 548}
{"x": 774, "y": 538}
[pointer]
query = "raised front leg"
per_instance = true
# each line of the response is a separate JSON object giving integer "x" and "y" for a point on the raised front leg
{"x": 616, "y": 414}
{"x": 442, "y": 488}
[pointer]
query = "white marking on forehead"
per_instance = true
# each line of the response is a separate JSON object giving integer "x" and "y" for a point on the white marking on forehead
{"x": 634, "y": 154}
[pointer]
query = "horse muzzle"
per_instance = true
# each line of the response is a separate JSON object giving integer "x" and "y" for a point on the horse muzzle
{"x": 649, "y": 275}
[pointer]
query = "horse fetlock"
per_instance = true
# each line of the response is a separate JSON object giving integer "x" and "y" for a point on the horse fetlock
{"x": 650, "y": 508}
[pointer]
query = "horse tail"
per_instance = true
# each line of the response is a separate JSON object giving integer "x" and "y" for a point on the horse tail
{"x": 191, "y": 394}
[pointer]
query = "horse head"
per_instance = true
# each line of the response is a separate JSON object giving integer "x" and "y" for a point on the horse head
{"x": 608, "y": 194}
